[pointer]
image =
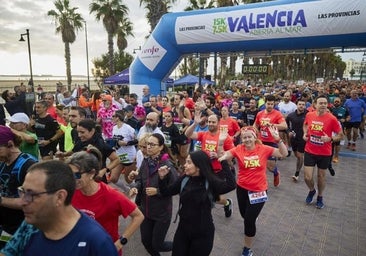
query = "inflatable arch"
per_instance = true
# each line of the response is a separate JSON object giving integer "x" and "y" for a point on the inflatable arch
{"x": 266, "y": 26}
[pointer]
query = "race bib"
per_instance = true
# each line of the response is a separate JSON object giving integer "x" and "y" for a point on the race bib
{"x": 316, "y": 140}
{"x": 124, "y": 158}
{"x": 257, "y": 197}
{"x": 198, "y": 146}
{"x": 168, "y": 141}
{"x": 264, "y": 134}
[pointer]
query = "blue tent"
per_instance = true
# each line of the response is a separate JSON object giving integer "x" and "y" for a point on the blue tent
{"x": 191, "y": 80}
{"x": 122, "y": 77}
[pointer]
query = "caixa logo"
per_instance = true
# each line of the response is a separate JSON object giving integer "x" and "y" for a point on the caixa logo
{"x": 151, "y": 51}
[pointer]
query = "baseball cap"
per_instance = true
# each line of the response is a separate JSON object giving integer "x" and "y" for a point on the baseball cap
{"x": 129, "y": 108}
{"x": 19, "y": 118}
{"x": 107, "y": 97}
{"x": 6, "y": 135}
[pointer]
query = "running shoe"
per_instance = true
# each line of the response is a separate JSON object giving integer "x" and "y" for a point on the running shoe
{"x": 228, "y": 208}
{"x": 276, "y": 179}
{"x": 310, "y": 196}
{"x": 247, "y": 252}
{"x": 295, "y": 178}
{"x": 319, "y": 202}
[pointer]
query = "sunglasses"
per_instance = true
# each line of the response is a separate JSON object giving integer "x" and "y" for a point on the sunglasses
{"x": 77, "y": 175}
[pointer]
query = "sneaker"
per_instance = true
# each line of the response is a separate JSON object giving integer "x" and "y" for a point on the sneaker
{"x": 319, "y": 202}
{"x": 331, "y": 171}
{"x": 247, "y": 252}
{"x": 349, "y": 145}
{"x": 335, "y": 159}
{"x": 310, "y": 196}
{"x": 228, "y": 208}
{"x": 276, "y": 179}
{"x": 295, "y": 178}
{"x": 353, "y": 147}
{"x": 362, "y": 136}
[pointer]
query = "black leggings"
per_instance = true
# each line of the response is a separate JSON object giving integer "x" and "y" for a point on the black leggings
{"x": 249, "y": 212}
{"x": 153, "y": 235}
{"x": 190, "y": 240}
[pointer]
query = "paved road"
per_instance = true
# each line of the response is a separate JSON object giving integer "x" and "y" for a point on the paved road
{"x": 287, "y": 226}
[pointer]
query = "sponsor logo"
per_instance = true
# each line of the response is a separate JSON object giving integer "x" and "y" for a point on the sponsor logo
{"x": 262, "y": 23}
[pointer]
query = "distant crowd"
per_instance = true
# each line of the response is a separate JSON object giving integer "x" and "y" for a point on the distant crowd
{"x": 59, "y": 157}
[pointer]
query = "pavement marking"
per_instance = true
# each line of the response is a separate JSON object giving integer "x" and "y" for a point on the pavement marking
{"x": 353, "y": 155}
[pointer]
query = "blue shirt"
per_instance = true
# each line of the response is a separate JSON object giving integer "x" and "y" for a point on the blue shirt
{"x": 356, "y": 108}
{"x": 86, "y": 238}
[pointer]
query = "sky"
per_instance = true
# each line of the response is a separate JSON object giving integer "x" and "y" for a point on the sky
{"x": 47, "y": 48}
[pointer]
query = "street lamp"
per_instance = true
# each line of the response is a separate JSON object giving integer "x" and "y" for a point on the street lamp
{"x": 30, "y": 57}
{"x": 87, "y": 55}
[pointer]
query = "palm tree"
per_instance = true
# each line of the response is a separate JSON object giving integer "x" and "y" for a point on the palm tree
{"x": 68, "y": 22}
{"x": 124, "y": 30}
{"x": 112, "y": 13}
{"x": 200, "y": 4}
{"x": 156, "y": 9}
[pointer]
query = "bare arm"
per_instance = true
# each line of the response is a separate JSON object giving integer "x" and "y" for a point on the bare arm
{"x": 226, "y": 156}
{"x": 136, "y": 219}
{"x": 282, "y": 126}
{"x": 12, "y": 203}
{"x": 190, "y": 130}
{"x": 25, "y": 137}
{"x": 281, "y": 151}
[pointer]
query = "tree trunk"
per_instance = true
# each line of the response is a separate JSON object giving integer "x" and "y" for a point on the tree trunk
{"x": 68, "y": 65}
{"x": 111, "y": 55}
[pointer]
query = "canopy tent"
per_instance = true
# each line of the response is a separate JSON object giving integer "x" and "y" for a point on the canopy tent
{"x": 191, "y": 80}
{"x": 122, "y": 77}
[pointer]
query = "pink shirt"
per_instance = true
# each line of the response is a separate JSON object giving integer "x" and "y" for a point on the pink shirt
{"x": 105, "y": 115}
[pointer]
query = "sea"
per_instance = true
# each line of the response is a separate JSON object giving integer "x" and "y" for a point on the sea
{"x": 47, "y": 82}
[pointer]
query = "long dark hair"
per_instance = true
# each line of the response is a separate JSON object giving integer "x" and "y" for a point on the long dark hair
{"x": 203, "y": 162}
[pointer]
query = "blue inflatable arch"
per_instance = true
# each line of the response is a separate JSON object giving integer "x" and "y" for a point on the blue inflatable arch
{"x": 267, "y": 26}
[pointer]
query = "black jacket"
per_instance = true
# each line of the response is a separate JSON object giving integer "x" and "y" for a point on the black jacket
{"x": 158, "y": 207}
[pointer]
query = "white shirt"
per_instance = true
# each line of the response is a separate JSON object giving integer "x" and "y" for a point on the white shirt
{"x": 143, "y": 131}
{"x": 286, "y": 108}
{"x": 127, "y": 154}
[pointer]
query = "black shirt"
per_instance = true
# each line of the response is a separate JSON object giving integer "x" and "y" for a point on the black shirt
{"x": 10, "y": 219}
{"x": 46, "y": 127}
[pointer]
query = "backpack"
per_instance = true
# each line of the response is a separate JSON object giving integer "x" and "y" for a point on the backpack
{"x": 21, "y": 160}
{"x": 209, "y": 194}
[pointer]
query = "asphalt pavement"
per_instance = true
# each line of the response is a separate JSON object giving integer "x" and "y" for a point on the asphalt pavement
{"x": 289, "y": 227}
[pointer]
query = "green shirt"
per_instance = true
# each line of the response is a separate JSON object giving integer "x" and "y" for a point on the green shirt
{"x": 31, "y": 149}
{"x": 69, "y": 145}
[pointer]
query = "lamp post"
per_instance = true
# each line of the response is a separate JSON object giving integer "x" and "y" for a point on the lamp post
{"x": 30, "y": 57}
{"x": 87, "y": 55}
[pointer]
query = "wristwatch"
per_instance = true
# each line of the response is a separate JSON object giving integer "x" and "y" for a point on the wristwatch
{"x": 123, "y": 240}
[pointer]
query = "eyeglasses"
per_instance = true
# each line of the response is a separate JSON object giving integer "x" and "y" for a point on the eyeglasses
{"x": 140, "y": 146}
{"x": 77, "y": 175}
{"x": 152, "y": 144}
{"x": 28, "y": 196}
